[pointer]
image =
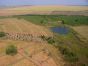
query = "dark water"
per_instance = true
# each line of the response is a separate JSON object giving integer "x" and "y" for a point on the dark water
{"x": 60, "y": 30}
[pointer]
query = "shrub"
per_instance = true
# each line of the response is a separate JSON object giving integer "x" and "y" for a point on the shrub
{"x": 70, "y": 56}
{"x": 2, "y": 34}
{"x": 43, "y": 37}
{"x": 42, "y": 21}
{"x": 76, "y": 20}
{"x": 11, "y": 50}
{"x": 63, "y": 22}
{"x": 83, "y": 65}
{"x": 50, "y": 40}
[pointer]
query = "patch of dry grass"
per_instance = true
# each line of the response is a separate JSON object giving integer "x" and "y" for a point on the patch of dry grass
{"x": 13, "y": 25}
{"x": 82, "y": 30}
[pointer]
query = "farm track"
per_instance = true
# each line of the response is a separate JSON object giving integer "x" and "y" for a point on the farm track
{"x": 27, "y": 57}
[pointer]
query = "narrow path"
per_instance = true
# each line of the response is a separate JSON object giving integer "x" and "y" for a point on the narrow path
{"x": 21, "y": 52}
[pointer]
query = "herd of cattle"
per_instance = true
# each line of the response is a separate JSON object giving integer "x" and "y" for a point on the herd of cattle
{"x": 22, "y": 37}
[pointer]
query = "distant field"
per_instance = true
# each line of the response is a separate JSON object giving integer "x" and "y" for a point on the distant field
{"x": 50, "y": 8}
{"x": 74, "y": 10}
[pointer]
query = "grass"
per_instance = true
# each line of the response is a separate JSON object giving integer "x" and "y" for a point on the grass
{"x": 52, "y": 20}
{"x": 73, "y": 50}
{"x": 49, "y": 40}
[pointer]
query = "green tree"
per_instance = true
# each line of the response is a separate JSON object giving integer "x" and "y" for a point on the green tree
{"x": 76, "y": 20}
{"x": 63, "y": 22}
{"x": 69, "y": 56}
{"x": 11, "y": 50}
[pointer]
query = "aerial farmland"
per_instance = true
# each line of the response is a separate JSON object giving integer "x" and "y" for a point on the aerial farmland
{"x": 44, "y": 36}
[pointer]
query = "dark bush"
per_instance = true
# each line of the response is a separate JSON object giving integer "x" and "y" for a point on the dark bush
{"x": 63, "y": 22}
{"x": 11, "y": 50}
{"x": 43, "y": 37}
{"x": 2, "y": 34}
{"x": 83, "y": 65}
{"x": 50, "y": 40}
{"x": 70, "y": 56}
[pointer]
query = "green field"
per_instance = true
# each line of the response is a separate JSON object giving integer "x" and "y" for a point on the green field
{"x": 53, "y": 19}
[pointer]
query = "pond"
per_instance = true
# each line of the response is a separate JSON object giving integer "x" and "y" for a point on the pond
{"x": 60, "y": 30}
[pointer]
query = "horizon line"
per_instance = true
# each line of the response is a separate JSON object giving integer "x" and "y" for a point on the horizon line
{"x": 40, "y": 5}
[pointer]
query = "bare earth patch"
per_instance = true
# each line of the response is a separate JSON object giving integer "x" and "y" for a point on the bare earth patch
{"x": 24, "y": 62}
{"x": 9, "y": 60}
{"x": 30, "y": 54}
